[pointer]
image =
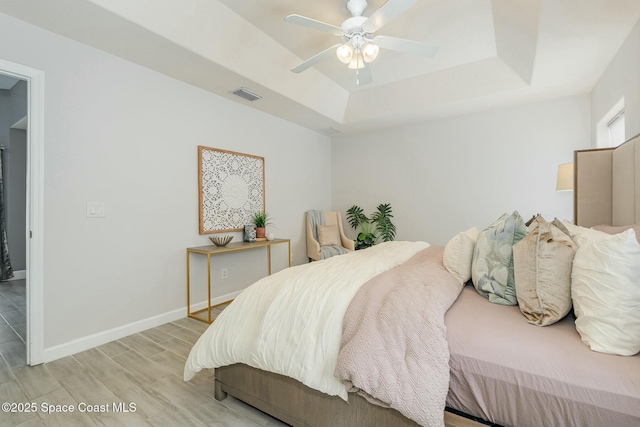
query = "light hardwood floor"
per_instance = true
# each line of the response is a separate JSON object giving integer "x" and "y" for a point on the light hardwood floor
{"x": 144, "y": 369}
{"x": 13, "y": 320}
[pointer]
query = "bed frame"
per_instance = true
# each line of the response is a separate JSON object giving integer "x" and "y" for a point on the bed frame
{"x": 606, "y": 191}
{"x": 298, "y": 405}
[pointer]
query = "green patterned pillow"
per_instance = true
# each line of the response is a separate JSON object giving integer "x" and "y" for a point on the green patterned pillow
{"x": 492, "y": 266}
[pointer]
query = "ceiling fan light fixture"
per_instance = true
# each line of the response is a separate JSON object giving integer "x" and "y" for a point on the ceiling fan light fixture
{"x": 345, "y": 53}
{"x": 370, "y": 52}
{"x": 357, "y": 62}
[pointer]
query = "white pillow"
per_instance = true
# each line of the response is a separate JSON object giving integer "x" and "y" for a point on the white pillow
{"x": 458, "y": 254}
{"x": 582, "y": 235}
{"x": 606, "y": 293}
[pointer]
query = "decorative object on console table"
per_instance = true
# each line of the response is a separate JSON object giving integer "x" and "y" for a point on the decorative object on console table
{"x": 379, "y": 226}
{"x": 231, "y": 189}
{"x": 261, "y": 220}
{"x": 249, "y": 233}
{"x": 221, "y": 240}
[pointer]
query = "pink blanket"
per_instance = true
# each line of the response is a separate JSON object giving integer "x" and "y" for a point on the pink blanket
{"x": 394, "y": 349}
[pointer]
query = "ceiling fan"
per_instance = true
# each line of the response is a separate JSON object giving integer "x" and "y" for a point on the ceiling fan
{"x": 359, "y": 46}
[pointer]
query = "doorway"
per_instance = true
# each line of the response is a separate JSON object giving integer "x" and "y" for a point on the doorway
{"x": 13, "y": 220}
{"x": 29, "y": 300}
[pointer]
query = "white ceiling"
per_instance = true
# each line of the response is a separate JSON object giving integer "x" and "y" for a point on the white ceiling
{"x": 493, "y": 53}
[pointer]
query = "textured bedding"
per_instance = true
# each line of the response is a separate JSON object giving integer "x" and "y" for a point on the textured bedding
{"x": 394, "y": 350}
{"x": 290, "y": 323}
{"x": 531, "y": 376}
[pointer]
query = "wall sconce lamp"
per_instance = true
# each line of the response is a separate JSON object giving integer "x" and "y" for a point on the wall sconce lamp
{"x": 565, "y": 177}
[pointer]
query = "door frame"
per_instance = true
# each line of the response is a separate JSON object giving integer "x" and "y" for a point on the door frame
{"x": 35, "y": 206}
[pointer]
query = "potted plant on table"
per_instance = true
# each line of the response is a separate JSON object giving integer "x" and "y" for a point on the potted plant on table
{"x": 379, "y": 226}
{"x": 261, "y": 220}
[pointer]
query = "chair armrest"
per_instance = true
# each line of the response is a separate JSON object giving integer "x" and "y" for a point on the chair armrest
{"x": 346, "y": 242}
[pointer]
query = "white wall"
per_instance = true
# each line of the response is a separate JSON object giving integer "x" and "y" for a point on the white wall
{"x": 125, "y": 135}
{"x": 446, "y": 175}
{"x": 620, "y": 79}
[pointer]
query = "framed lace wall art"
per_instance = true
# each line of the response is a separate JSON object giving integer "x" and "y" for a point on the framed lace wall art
{"x": 231, "y": 189}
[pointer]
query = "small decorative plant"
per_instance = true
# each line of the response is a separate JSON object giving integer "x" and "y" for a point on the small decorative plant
{"x": 261, "y": 219}
{"x": 372, "y": 229}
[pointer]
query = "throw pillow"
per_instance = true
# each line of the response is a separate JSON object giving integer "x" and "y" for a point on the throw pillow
{"x": 492, "y": 265}
{"x": 542, "y": 265}
{"x": 458, "y": 254}
{"x": 328, "y": 235}
{"x": 606, "y": 294}
{"x": 581, "y": 235}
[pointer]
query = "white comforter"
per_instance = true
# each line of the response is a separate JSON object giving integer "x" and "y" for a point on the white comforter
{"x": 290, "y": 323}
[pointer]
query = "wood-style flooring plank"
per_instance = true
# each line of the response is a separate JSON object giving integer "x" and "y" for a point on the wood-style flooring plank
{"x": 186, "y": 335}
{"x": 11, "y": 392}
{"x": 14, "y": 352}
{"x": 36, "y": 380}
{"x": 167, "y": 328}
{"x": 113, "y": 348}
{"x": 142, "y": 345}
{"x": 142, "y": 368}
{"x": 177, "y": 346}
{"x": 64, "y": 367}
{"x": 68, "y": 419}
{"x": 155, "y": 335}
{"x": 192, "y": 324}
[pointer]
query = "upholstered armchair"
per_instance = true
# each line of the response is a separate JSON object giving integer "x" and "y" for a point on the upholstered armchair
{"x": 334, "y": 242}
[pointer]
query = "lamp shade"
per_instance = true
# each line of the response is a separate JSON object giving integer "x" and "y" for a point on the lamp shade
{"x": 370, "y": 52}
{"x": 345, "y": 53}
{"x": 565, "y": 177}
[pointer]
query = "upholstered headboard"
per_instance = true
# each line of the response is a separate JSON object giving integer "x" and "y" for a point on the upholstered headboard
{"x": 607, "y": 185}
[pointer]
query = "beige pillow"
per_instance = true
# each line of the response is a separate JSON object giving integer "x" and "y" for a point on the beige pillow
{"x": 542, "y": 266}
{"x": 458, "y": 254}
{"x": 606, "y": 295}
{"x": 329, "y": 235}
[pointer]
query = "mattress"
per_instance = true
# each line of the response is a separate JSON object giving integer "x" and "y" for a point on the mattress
{"x": 511, "y": 373}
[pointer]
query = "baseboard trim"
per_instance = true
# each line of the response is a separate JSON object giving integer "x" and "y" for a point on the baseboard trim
{"x": 17, "y": 275}
{"x": 95, "y": 340}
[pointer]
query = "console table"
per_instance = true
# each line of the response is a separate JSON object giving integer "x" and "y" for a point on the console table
{"x": 211, "y": 250}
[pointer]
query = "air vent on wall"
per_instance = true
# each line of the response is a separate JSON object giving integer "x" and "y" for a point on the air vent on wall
{"x": 328, "y": 131}
{"x": 245, "y": 93}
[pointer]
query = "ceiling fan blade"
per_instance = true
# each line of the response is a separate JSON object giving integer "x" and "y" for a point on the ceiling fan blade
{"x": 386, "y": 13}
{"x": 312, "y": 23}
{"x": 406, "y": 46}
{"x": 315, "y": 59}
{"x": 364, "y": 75}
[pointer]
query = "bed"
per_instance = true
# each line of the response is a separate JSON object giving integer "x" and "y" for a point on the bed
{"x": 500, "y": 369}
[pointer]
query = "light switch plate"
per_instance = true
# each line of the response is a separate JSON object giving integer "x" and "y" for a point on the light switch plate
{"x": 95, "y": 210}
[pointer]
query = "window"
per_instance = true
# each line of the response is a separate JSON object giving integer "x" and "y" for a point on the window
{"x": 610, "y": 130}
{"x": 616, "y": 129}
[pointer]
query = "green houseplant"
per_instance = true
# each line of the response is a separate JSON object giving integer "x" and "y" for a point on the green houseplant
{"x": 261, "y": 220}
{"x": 372, "y": 229}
